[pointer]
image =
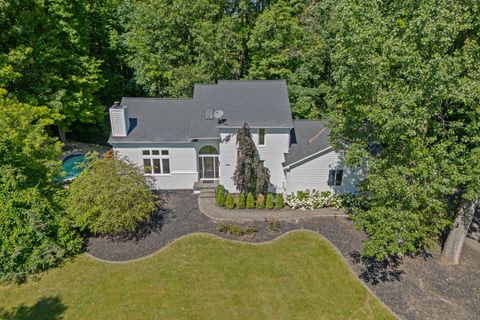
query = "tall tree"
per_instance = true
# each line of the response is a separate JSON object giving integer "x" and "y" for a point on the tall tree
{"x": 250, "y": 174}
{"x": 45, "y": 44}
{"x": 172, "y": 44}
{"x": 407, "y": 101}
{"x": 34, "y": 235}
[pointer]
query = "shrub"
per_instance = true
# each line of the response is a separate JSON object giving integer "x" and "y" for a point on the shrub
{"x": 241, "y": 201}
{"x": 307, "y": 200}
{"x": 220, "y": 195}
{"x": 270, "y": 202}
{"x": 260, "y": 201}
{"x": 110, "y": 197}
{"x": 279, "y": 202}
{"x": 235, "y": 229}
{"x": 229, "y": 202}
{"x": 250, "y": 201}
{"x": 273, "y": 225}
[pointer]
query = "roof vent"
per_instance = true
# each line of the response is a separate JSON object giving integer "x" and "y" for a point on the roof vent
{"x": 209, "y": 114}
{"x": 218, "y": 114}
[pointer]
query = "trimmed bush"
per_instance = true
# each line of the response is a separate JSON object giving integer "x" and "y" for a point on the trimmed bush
{"x": 241, "y": 201}
{"x": 250, "y": 201}
{"x": 270, "y": 202}
{"x": 279, "y": 203}
{"x": 260, "y": 201}
{"x": 229, "y": 202}
{"x": 220, "y": 195}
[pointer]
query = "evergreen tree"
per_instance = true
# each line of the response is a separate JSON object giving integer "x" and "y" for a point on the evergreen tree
{"x": 250, "y": 174}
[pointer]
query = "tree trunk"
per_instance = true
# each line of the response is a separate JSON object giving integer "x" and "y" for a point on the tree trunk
{"x": 452, "y": 249}
{"x": 62, "y": 134}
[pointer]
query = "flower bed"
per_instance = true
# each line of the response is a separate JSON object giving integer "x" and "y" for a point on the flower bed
{"x": 313, "y": 199}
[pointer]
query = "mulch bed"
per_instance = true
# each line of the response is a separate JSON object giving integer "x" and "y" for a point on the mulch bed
{"x": 414, "y": 288}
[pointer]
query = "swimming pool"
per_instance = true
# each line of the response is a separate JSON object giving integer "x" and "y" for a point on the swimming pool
{"x": 72, "y": 165}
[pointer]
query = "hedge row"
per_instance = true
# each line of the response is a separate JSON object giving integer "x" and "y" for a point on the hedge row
{"x": 240, "y": 201}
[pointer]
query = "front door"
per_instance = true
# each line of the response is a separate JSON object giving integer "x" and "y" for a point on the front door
{"x": 208, "y": 167}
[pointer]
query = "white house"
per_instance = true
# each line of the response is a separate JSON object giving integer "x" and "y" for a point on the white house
{"x": 181, "y": 141}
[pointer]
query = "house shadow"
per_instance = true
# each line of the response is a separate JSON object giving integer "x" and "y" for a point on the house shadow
{"x": 50, "y": 308}
{"x": 374, "y": 271}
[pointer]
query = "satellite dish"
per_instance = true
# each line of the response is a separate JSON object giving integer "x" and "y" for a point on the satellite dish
{"x": 218, "y": 114}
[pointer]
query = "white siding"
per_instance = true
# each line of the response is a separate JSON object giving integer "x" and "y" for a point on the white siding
{"x": 273, "y": 153}
{"x": 313, "y": 174}
{"x": 183, "y": 162}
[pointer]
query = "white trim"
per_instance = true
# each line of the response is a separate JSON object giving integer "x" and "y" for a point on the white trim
{"x": 307, "y": 157}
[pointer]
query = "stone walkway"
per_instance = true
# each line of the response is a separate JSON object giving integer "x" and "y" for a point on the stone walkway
{"x": 210, "y": 209}
{"x": 418, "y": 288}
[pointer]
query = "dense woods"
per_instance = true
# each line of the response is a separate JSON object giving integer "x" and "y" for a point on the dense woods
{"x": 397, "y": 81}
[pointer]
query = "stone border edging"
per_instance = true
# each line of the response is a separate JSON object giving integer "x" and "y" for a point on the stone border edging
{"x": 211, "y": 210}
{"x": 337, "y": 251}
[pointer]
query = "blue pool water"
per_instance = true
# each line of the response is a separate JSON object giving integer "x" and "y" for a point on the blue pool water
{"x": 72, "y": 166}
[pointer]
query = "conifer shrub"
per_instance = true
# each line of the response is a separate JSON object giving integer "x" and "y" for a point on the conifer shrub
{"x": 260, "y": 201}
{"x": 229, "y": 201}
{"x": 250, "y": 201}
{"x": 270, "y": 202}
{"x": 241, "y": 201}
{"x": 220, "y": 195}
{"x": 279, "y": 202}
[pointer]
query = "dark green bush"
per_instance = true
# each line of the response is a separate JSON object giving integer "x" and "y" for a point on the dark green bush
{"x": 260, "y": 201}
{"x": 279, "y": 202}
{"x": 220, "y": 195}
{"x": 270, "y": 202}
{"x": 250, "y": 201}
{"x": 241, "y": 201}
{"x": 229, "y": 202}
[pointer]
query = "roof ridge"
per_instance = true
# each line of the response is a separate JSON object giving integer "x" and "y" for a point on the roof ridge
{"x": 253, "y": 80}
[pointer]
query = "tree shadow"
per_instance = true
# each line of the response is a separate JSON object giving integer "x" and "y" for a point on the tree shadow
{"x": 374, "y": 271}
{"x": 50, "y": 308}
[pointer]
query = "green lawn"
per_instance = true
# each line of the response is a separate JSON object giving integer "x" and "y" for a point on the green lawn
{"x": 299, "y": 276}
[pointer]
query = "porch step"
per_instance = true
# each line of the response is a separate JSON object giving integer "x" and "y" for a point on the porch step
{"x": 201, "y": 185}
{"x": 207, "y": 193}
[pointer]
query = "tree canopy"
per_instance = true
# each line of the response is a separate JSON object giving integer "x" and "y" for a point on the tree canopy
{"x": 34, "y": 235}
{"x": 406, "y": 99}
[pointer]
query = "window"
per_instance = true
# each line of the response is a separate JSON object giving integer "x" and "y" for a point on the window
{"x": 335, "y": 177}
{"x": 261, "y": 137}
{"x": 156, "y": 161}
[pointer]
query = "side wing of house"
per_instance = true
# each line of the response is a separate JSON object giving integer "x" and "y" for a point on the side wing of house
{"x": 323, "y": 172}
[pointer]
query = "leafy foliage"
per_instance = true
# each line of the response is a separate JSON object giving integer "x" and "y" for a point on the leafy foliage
{"x": 230, "y": 202}
{"x": 220, "y": 196}
{"x": 250, "y": 174}
{"x": 407, "y": 83}
{"x": 241, "y": 201}
{"x": 279, "y": 202}
{"x": 270, "y": 202}
{"x": 260, "y": 203}
{"x": 250, "y": 201}
{"x": 235, "y": 229}
{"x": 34, "y": 234}
{"x": 110, "y": 197}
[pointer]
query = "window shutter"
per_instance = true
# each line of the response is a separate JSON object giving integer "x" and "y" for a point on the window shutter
{"x": 331, "y": 177}
{"x": 339, "y": 178}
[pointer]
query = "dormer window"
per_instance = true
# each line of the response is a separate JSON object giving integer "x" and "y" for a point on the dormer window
{"x": 261, "y": 137}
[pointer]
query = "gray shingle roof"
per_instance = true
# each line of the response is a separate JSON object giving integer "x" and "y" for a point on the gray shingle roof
{"x": 307, "y": 138}
{"x": 258, "y": 103}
